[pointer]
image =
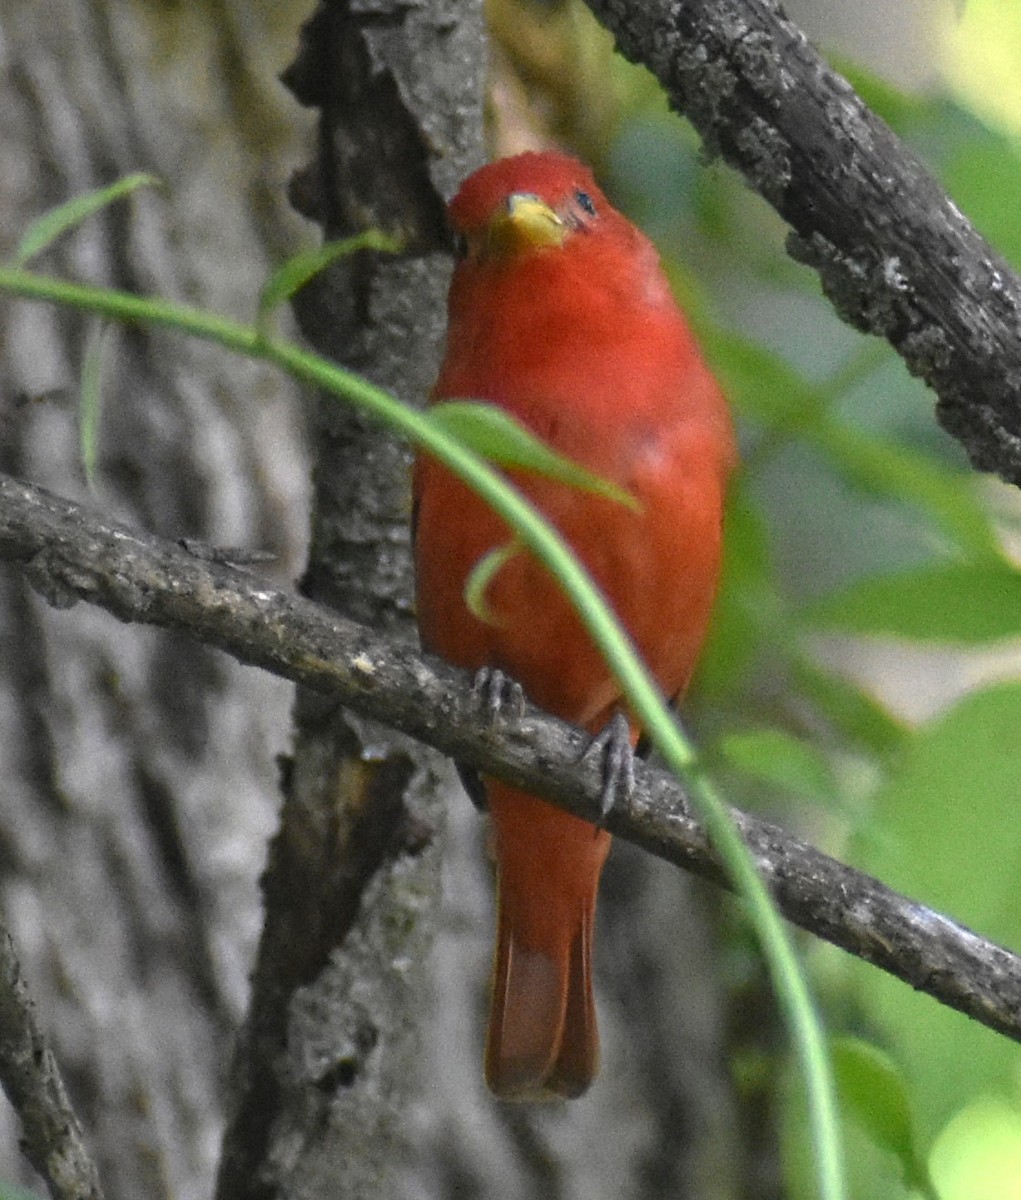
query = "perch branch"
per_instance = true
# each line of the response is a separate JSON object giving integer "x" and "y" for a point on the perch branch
{"x": 53, "y": 1141}
{"x": 895, "y": 255}
{"x": 69, "y": 553}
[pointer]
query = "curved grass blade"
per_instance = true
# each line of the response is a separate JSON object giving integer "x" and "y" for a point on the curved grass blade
{"x": 482, "y": 575}
{"x": 45, "y": 231}
{"x": 292, "y": 276}
{"x": 497, "y": 437}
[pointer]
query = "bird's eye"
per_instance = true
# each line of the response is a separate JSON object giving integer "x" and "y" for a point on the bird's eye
{"x": 585, "y": 203}
{"x": 459, "y": 244}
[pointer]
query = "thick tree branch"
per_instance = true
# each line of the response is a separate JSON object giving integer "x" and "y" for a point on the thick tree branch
{"x": 70, "y": 553}
{"x": 895, "y": 255}
{"x": 53, "y": 1141}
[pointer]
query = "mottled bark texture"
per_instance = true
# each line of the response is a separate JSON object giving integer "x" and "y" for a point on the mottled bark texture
{"x": 895, "y": 256}
{"x": 53, "y": 1141}
{"x": 138, "y": 776}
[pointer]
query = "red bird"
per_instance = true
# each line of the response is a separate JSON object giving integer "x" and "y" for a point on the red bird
{"x": 560, "y": 314}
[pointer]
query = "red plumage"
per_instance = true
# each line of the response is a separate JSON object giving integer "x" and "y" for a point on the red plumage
{"x": 561, "y": 315}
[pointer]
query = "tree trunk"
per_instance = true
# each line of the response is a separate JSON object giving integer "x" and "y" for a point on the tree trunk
{"x": 329, "y": 1062}
{"x": 139, "y": 782}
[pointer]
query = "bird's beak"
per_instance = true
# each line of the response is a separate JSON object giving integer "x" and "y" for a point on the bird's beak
{"x": 524, "y": 223}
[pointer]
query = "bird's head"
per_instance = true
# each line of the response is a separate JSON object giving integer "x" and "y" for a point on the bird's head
{"x": 524, "y": 205}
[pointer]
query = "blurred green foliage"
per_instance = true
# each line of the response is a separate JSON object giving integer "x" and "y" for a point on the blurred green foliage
{"x": 855, "y": 517}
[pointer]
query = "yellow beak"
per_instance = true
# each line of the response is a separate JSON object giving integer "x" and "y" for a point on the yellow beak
{"x": 526, "y": 223}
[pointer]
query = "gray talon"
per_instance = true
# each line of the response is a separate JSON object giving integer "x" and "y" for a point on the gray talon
{"x": 613, "y": 742}
{"x": 497, "y": 693}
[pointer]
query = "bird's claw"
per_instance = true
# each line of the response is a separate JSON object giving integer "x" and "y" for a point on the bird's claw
{"x": 613, "y": 742}
{"x": 497, "y": 694}
{"x": 494, "y": 694}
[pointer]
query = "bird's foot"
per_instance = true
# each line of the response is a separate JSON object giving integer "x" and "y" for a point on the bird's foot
{"x": 493, "y": 693}
{"x": 496, "y": 694}
{"x": 613, "y": 742}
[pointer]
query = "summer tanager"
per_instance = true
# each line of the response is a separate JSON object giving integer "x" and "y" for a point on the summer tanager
{"x": 560, "y": 314}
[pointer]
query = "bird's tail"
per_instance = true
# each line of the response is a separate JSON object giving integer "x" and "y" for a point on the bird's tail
{"x": 543, "y": 1041}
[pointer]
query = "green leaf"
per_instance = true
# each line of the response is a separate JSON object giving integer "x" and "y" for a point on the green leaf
{"x": 292, "y": 276}
{"x": 44, "y": 231}
{"x": 747, "y": 611}
{"x": 777, "y": 757}
{"x": 495, "y": 435}
{"x": 854, "y": 712}
{"x": 874, "y": 1091}
{"x": 766, "y": 388}
{"x": 954, "y": 602}
{"x": 760, "y": 383}
{"x": 483, "y": 573}
{"x": 977, "y": 1155}
{"x": 947, "y": 496}
{"x": 89, "y": 400}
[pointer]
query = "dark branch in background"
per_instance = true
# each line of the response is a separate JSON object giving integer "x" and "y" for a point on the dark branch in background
{"x": 52, "y": 1140}
{"x": 895, "y": 255}
{"x": 70, "y": 553}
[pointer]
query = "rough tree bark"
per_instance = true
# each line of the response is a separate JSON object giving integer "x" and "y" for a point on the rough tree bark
{"x": 138, "y": 781}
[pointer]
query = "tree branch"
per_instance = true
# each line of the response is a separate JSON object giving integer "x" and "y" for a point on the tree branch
{"x": 70, "y": 553}
{"x": 53, "y": 1141}
{"x": 895, "y": 256}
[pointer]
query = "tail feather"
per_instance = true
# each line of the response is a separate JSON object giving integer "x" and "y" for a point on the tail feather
{"x": 526, "y": 1021}
{"x": 543, "y": 1041}
{"x": 578, "y": 1057}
